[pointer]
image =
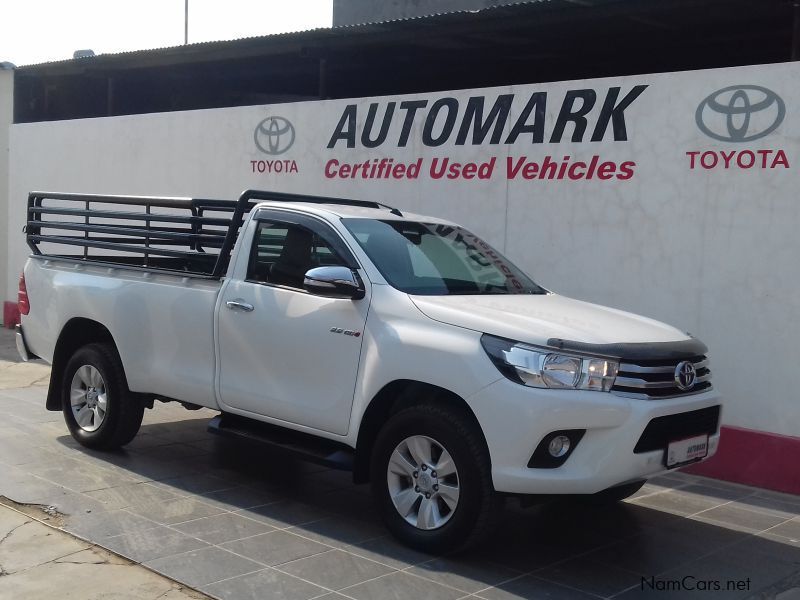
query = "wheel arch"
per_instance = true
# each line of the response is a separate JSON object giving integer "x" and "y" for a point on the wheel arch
{"x": 77, "y": 332}
{"x": 392, "y": 398}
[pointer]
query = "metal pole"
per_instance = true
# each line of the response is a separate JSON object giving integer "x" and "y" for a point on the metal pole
{"x": 185, "y": 22}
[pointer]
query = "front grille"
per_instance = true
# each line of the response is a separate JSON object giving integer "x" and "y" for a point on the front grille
{"x": 663, "y": 430}
{"x": 654, "y": 379}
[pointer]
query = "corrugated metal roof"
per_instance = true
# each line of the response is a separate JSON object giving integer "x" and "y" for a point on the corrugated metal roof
{"x": 332, "y": 31}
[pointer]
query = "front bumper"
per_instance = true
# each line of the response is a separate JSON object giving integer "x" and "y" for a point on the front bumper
{"x": 515, "y": 418}
{"x": 22, "y": 346}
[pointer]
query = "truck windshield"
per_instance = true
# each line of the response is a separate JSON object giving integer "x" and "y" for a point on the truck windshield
{"x": 437, "y": 260}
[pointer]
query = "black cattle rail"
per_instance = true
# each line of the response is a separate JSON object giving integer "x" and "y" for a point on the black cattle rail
{"x": 193, "y": 236}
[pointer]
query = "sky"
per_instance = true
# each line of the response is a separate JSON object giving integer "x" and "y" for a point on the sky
{"x": 34, "y": 31}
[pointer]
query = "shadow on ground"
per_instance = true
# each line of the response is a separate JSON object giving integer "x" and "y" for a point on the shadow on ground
{"x": 236, "y": 521}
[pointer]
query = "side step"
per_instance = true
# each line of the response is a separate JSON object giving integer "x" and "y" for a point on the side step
{"x": 302, "y": 445}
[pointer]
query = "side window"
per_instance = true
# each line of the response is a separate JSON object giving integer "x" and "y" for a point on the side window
{"x": 283, "y": 252}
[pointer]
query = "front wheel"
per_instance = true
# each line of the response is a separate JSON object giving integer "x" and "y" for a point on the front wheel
{"x": 431, "y": 477}
{"x": 98, "y": 408}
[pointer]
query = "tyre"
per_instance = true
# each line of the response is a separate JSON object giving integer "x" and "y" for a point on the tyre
{"x": 98, "y": 407}
{"x": 431, "y": 478}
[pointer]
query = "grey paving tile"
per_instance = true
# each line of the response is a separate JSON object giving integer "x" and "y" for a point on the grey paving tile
{"x": 285, "y": 513}
{"x": 149, "y": 544}
{"x": 73, "y": 503}
{"x": 18, "y": 450}
{"x": 467, "y": 574}
{"x": 129, "y": 495}
{"x": 789, "y": 529}
{"x": 335, "y": 569}
{"x": 348, "y": 503}
{"x": 78, "y": 475}
{"x": 275, "y": 548}
{"x": 241, "y": 497}
{"x": 756, "y": 562}
{"x": 173, "y": 450}
{"x": 778, "y": 539}
{"x": 141, "y": 468}
{"x": 533, "y": 588}
{"x": 198, "y": 483}
{"x": 340, "y": 531}
{"x": 589, "y": 576}
{"x": 388, "y": 551}
{"x": 145, "y": 440}
{"x": 719, "y": 492}
{"x": 202, "y": 567}
{"x": 653, "y": 552}
{"x": 741, "y": 519}
{"x": 280, "y": 586}
{"x": 102, "y": 524}
{"x": 401, "y": 586}
{"x": 225, "y": 527}
{"x": 782, "y": 505}
{"x": 678, "y": 502}
{"x": 175, "y": 511}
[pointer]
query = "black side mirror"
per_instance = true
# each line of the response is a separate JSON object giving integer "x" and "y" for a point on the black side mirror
{"x": 334, "y": 282}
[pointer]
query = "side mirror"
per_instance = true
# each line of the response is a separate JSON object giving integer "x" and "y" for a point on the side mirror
{"x": 334, "y": 282}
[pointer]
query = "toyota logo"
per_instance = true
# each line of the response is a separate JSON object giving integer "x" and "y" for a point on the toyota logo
{"x": 740, "y": 113}
{"x": 274, "y": 135}
{"x": 685, "y": 375}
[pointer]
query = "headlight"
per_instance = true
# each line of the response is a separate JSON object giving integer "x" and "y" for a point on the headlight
{"x": 544, "y": 368}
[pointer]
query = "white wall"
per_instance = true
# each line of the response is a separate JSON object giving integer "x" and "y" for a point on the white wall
{"x": 6, "y": 116}
{"x": 713, "y": 251}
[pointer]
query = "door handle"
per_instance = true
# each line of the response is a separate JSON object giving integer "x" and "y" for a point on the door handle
{"x": 239, "y": 305}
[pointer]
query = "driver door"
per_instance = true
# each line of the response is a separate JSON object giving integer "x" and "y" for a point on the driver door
{"x": 283, "y": 353}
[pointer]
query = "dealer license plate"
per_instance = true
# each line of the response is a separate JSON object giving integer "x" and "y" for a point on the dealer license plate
{"x": 685, "y": 451}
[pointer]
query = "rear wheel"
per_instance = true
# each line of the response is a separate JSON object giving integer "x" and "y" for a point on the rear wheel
{"x": 97, "y": 406}
{"x": 431, "y": 478}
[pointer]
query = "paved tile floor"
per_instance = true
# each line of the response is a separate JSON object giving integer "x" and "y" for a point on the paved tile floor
{"x": 237, "y": 522}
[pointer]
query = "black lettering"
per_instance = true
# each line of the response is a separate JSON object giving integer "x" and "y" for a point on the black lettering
{"x": 367, "y": 131}
{"x": 450, "y": 120}
{"x": 411, "y": 107}
{"x": 615, "y": 113}
{"x": 538, "y": 101}
{"x": 569, "y": 113}
{"x": 473, "y": 119}
{"x": 346, "y": 129}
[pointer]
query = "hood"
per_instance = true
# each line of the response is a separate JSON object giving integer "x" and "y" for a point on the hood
{"x": 534, "y": 319}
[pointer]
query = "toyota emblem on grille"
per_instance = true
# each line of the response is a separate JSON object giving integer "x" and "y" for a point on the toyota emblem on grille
{"x": 685, "y": 375}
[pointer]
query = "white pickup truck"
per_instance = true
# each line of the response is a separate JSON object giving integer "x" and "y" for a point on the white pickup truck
{"x": 400, "y": 346}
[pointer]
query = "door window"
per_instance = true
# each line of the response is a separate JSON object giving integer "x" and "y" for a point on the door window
{"x": 283, "y": 252}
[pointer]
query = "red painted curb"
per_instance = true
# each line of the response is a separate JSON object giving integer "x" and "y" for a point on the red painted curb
{"x": 758, "y": 458}
{"x": 10, "y": 314}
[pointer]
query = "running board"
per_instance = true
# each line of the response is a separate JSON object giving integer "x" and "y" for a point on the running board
{"x": 302, "y": 445}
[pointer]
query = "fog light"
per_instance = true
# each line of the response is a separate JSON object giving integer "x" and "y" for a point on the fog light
{"x": 558, "y": 446}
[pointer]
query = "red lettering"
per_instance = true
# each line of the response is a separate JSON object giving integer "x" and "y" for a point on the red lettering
{"x": 626, "y": 170}
{"x": 573, "y": 173}
{"x": 780, "y": 160}
{"x": 751, "y": 159}
{"x": 711, "y": 163}
{"x": 330, "y": 168}
{"x": 726, "y": 158}
{"x": 512, "y": 167}
{"x": 606, "y": 170}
